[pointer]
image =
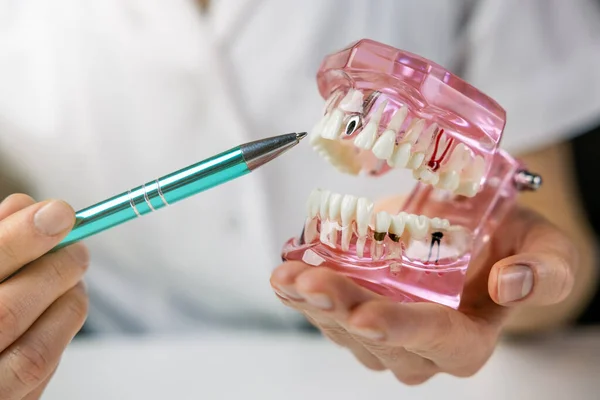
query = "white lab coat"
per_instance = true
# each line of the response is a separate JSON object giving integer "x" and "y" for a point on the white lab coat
{"x": 97, "y": 97}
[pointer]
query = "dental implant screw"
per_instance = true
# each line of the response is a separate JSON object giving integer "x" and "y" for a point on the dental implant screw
{"x": 525, "y": 180}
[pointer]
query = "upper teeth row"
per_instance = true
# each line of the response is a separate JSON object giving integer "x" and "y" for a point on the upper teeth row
{"x": 461, "y": 173}
{"x": 345, "y": 209}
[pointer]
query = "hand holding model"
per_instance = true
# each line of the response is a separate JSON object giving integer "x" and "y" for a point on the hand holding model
{"x": 531, "y": 263}
{"x": 43, "y": 303}
{"x": 424, "y": 285}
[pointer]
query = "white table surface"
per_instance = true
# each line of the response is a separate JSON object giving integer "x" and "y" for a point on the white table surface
{"x": 286, "y": 367}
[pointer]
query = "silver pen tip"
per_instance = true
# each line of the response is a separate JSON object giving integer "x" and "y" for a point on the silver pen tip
{"x": 300, "y": 135}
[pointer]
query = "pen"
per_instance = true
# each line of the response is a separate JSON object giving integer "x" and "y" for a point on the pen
{"x": 178, "y": 185}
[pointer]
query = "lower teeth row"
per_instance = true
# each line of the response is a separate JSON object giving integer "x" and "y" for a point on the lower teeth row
{"x": 442, "y": 244}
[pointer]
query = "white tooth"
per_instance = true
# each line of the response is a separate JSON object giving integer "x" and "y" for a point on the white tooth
{"x": 401, "y": 156}
{"x": 449, "y": 180}
{"x": 313, "y": 203}
{"x": 384, "y": 147}
{"x": 353, "y": 101}
{"x": 334, "y": 123}
{"x": 398, "y": 119}
{"x": 310, "y": 230}
{"x": 346, "y": 237}
{"x": 376, "y": 118}
{"x": 417, "y": 225}
{"x": 347, "y": 98}
{"x": 424, "y": 141}
{"x": 468, "y": 189}
{"x": 427, "y": 176}
{"x": 360, "y": 246}
{"x": 382, "y": 221}
{"x": 471, "y": 177}
{"x": 398, "y": 223}
{"x": 335, "y": 205}
{"x": 315, "y": 133}
{"x": 348, "y": 209}
{"x": 406, "y": 240}
{"x": 366, "y": 138}
{"x": 459, "y": 158}
{"x": 324, "y": 232}
{"x": 331, "y": 100}
{"x": 414, "y": 131}
{"x": 439, "y": 223}
{"x": 324, "y": 203}
{"x": 364, "y": 211}
{"x": 416, "y": 160}
{"x": 475, "y": 171}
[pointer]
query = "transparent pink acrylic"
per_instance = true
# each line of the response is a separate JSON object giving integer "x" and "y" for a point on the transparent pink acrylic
{"x": 428, "y": 271}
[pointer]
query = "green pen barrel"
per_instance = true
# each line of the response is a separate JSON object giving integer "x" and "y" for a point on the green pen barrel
{"x": 157, "y": 194}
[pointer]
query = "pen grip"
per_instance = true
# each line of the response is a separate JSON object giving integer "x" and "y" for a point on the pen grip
{"x": 156, "y": 194}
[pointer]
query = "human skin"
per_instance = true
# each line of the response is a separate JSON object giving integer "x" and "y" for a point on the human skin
{"x": 43, "y": 303}
{"x": 546, "y": 253}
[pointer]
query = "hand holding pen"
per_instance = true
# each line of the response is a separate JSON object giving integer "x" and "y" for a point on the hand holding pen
{"x": 43, "y": 302}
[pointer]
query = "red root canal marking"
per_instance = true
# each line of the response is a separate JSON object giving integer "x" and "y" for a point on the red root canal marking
{"x": 434, "y": 163}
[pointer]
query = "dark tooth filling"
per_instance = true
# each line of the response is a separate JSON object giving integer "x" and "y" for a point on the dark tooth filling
{"x": 395, "y": 238}
{"x": 436, "y": 237}
{"x": 379, "y": 236}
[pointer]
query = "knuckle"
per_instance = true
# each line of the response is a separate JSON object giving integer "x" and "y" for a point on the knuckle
{"x": 8, "y": 253}
{"x": 443, "y": 324}
{"x": 413, "y": 378}
{"x": 78, "y": 255}
{"x": 9, "y": 321}
{"x": 373, "y": 366}
{"x": 556, "y": 279}
{"x": 63, "y": 267}
{"x": 337, "y": 335}
{"x": 78, "y": 305}
{"x": 396, "y": 354}
{"x": 334, "y": 332}
{"x": 30, "y": 364}
{"x": 391, "y": 354}
{"x": 467, "y": 371}
{"x": 565, "y": 280}
{"x": 55, "y": 267}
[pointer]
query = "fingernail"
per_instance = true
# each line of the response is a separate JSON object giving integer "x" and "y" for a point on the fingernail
{"x": 319, "y": 300}
{"x": 515, "y": 282}
{"x": 79, "y": 252}
{"x": 54, "y": 218}
{"x": 290, "y": 292}
{"x": 371, "y": 334}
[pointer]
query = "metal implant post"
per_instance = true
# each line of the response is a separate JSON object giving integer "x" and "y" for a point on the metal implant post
{"x": 525, "y": 180}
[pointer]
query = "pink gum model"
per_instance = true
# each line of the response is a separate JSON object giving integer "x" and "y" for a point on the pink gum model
{"x": 387, "y": 109}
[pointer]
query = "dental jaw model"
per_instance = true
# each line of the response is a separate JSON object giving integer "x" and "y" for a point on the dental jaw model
{"x": 387, "y": 109}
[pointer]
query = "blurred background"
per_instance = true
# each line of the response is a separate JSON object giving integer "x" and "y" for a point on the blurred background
{"x": 96, "y": 97}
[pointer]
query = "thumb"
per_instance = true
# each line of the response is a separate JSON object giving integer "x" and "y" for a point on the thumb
{"x": 541, "y": 270}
